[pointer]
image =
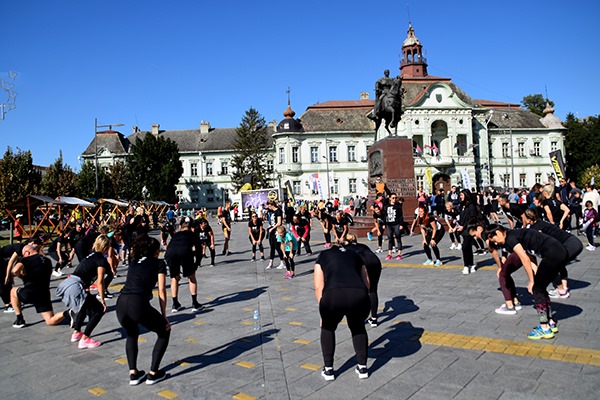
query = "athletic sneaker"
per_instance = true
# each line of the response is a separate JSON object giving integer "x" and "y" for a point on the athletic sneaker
{"x": 327, "y": 374}
{"x": 437, "y": 263}
{"x": 466, "y": 271}
{"x": 459, "y": 246}
{"x": 373, "y": 322}
{"x": 19, "y": 322}
{"x": 472, "y": 269}
{"x": 262, "y": 258}
{"x": 589, "y": 247}
{"x": 389, "y": 257}
{"x": 288, "y": 275}
{"x": 553, "y": 327}
{"x": 399, "y": 257}
{"x": 518, "y": 306}
{"x": 72, "y": 315}
{"x": 363, "y": 372}
{"x": 57, "y": 273}
{"x": 452, "y": 247}
{"x": 558, "y": 294}
{"x": 503, "y": 309}
{"x": 253, "y": 258}
{"x": 176, "y": 307}
{"x": 538, "y": 333}
{"x": 151, "y": 379}
{"x": 428, "y": 262}
{"x": 269, "y": 266}
{"x": 369, "y": 236}
{"x": 76, "y": 336}
{"x": 137, "y": 378}
{"x": 327, "y": 245}
{"x": 379, "y": 250}
{"x": 9, "y": 309}
{"x": 197, "y": 307}
{"x": 281, "y": 266}
{"x": 212, "y": 265}
{"x": 88, "y": 343}
{"x": 108, "y": 295}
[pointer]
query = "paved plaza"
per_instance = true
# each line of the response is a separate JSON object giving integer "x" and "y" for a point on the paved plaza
{"x": 438, "y": 338}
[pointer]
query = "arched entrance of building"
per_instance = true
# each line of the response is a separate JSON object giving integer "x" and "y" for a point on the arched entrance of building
{"x": 442, "y": 181}
{"x": 439, "y": 137}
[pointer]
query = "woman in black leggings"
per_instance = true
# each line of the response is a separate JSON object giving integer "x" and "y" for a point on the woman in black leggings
{"x": 468, "y": 212}
{"x": 134, "y": 309}
{"x": 341, "y": 287}
{"x": 553, "y": 257}
{"x": 373, "y": 264}
{"x": 432, "y": 232}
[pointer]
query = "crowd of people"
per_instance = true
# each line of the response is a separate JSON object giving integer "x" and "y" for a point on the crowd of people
{"x": 346, "y": 273}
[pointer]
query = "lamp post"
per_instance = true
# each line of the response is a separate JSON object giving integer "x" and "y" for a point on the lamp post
{"x": 512, "y": 153}
{"x": 96, "y": 126}
{"x": 327, "y": 164}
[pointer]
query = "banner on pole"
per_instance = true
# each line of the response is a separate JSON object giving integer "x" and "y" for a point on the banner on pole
{"x": 558, "y": 164}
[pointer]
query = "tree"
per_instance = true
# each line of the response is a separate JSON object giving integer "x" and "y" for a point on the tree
{"x": 86, "y": 182}
{"x": 18, "y": 177}
{"x": 536, "y": 103}
{"x": 154, "y": 164}
{"x": 120, "y": 181}
{"x": 589, "y": 173}
{"x": 10, "y": 96}
{"x": 582, "y": 145}
{"x": 60, "y": 180}
{"x": 251, "y": 151}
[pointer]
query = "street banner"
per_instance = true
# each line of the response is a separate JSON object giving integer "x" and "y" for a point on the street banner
{"x": 429, "y": 177}
{"x": 466, "y": 180}
{"x": 290, "y": 191}
{"x": 558, "y": 164}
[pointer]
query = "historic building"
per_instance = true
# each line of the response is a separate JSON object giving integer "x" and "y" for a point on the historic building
{"x": 457, "y": 140}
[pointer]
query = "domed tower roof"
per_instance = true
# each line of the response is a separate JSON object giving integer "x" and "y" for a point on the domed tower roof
{"x": 411, "y": 39}
{"x": 413, "y": 63}
{"x": 549, "y": 120}
{"x": 289, "y": 124}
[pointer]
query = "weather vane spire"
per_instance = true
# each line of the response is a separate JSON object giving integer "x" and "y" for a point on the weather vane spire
{"x": 288, "y": 91}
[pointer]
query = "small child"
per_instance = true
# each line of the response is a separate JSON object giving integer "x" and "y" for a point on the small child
{"x": 289, "y": 247}
{"x": 590, "y": 217}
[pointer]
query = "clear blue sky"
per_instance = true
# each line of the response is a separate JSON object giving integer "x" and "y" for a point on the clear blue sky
{"x": 179, "y": 62}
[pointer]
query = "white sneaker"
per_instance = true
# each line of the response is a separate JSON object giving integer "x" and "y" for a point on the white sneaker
{"x": 503, "y": 309}
{"x": 437, "y": 263}
{"x": 281, "y": 266}
{"x": 379, "y": 250}
{"x": 459, "y": 246}
{"x": 589, "y": 247}
{"x": 269, "y": 266}
{"x": 453, "y": 247}
{"x": 466, "y": 271}
{"x": 472, "y": 269}
{"x": 428, "y": 262}
{"x": 57, "y": 273}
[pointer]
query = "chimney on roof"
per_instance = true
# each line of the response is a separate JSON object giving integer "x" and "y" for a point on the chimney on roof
{"x": 155, "y": 128}
{"x": 135, "y": 129}
{"x": 364, "y": 95}
{"x": 204, "y": 126}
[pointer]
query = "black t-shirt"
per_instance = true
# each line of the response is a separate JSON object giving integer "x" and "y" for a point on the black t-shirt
{"x": 301, "y": 227}
{"x": 255, "y": 227}
{"x": 342, "y": 269}
{"x": 182, "y": 242}
{"x": 37, "y": 271}
{"x": 379, "y": 218}
{"x": 534, "y": 242}
{"x": 274, "y": 216}
{"x": 514, "y": 212}
{"x": 370, "y": 259}
{"x": 142, "y": 276}
{"x": 325, "y": 218}
{"x": 204, "y": 234}
{"x": 428, "y": 228}
{"x": 7, "y": 251}
{"x": 88, "y": 240}
{"x": 305, "y": 215}
{"x": 340, "y": 225}
{"x": 226, "y": 217}
{"x": 54, "y": 244}
{"x": 554, "y": 206}
{"x": 74, "y": 236}
{"x": 289, "y": 214}
{"x": 87, "y": 269}
{"x": 451, "y": 216}
{"x": 551, "y": 230}
{"x": 393, "y": 214}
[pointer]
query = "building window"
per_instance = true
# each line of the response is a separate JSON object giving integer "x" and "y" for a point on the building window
{"x": 538, "y": 177}
{"x": 314, "y": 154}
{"x": 210, "y": 191}
{"x": 505, "y": 180}
{"x": 281, "y": 155}
{"x": 537, "y": 151}
{"x": 420, "y": 180}
{"x": 351, "y": 153}
{"x": 336, "y": 186}
{"x": 270, "y": 166}
{"x": 521, "y": 149}
{"x": 333, "y": 154}
{"x": 505, "y": 150}
{"x": 194, "y": 169}
{"x": 352, "y": 185}
{"x": 523, "y": 180}
{"x": 224, "y": 168}
{"x": 209, "y": 169}
{"x": 295, "y": 154}
{"x": 296, "y": 187}
{"x": 553, "y": 146}
{"x": 461, "y": 145}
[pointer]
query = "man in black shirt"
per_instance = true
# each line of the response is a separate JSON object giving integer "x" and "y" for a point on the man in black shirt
{"x": 513, "y": 212}
{"x": 226, "y": 224}
{"x": 394, "y": 223}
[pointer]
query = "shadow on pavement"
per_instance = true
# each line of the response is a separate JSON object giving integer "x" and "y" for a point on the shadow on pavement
{"x": 225, "y": 352}
{"x": 237, "y": 296}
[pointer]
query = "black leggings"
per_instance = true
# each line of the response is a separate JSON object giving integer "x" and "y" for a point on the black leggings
{"x": 436, "y": 249}
{"x": 274, "y": 246}
{"x": 374, "y": 273}
{"x": 467, "y": 250}
{"x": 4, "y": 289}
{"x": 134, "y": 310}
{"x": 94, "y": 311}
{"x": 554, "y": 259}
{"x": 306, "y": 242}
{"x": 212, "y": 253}
{"x": 354, "y": 304}
{"x": 394, "y": 231}
{"x": 260, "y": 245}
{"x": 455, "y": 237}
{"x": 55, "y": 257}
{"x": 290, "y": 264}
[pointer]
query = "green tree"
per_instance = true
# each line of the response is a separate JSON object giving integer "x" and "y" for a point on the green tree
{"x": 120, "y": 181}
{"x": 86, "y": 182}
{"x": 582, "y": 145}
{"x": 536, "y": 103}
{"x": 251, "y": 151}
{"x": 589, "y": 173}
{"x": 59, "y": 180}
{"x": 154, "y": 163}
{"x": 18, "y": 177}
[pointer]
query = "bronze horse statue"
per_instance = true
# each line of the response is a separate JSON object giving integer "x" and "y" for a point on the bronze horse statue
{"x": 390, "y": 108}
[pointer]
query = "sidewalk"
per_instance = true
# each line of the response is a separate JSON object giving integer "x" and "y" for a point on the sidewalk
{"x": 438, "y": 338}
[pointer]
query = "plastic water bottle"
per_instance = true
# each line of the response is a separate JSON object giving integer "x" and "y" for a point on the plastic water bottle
{"x": 256, "y": 318}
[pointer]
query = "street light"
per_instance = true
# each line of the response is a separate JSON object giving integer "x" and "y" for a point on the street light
{"x": 512, "y": 153}
{"x": 327, "y": 161}
{"x": 96, "y": 126}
